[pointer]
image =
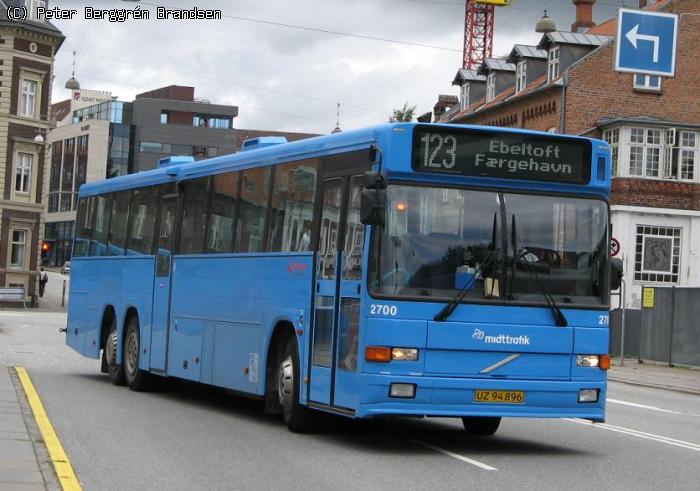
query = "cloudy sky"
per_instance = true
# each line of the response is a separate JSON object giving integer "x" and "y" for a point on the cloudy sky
{"x": 286, "y": 63}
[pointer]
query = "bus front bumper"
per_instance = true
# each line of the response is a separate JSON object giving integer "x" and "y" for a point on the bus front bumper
{"x": 455, "y": 397}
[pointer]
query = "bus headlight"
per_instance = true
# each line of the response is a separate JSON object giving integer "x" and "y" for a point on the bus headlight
{"x": 588, "y": 395}
{"x": 406, "y": 391}
{"x": 404, "y": 354}
{"x": 600, "y": 361}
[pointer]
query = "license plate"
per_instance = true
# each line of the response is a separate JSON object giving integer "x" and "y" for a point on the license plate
{"x": 500, "y": 396}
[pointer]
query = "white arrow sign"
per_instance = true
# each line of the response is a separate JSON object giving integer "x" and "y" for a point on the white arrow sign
{"x": 632, "y": 36}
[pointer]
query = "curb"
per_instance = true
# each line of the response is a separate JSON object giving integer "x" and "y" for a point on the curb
{"x": 655, "y": 386}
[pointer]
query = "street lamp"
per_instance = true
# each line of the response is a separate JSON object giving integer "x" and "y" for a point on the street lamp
{"x": 39, "y": 138}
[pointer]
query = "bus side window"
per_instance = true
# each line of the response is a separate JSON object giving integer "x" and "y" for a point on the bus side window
{"x": 221, "y": 233}
{"x": 255, "y": 189}
{"x": 83, "y": 227}
{"x": 194, "y": 213}
{"x": 98, "y": 243}
{"x": 354, "y": 232}
{"x": 142, "y": 219}
{"x": 120, "y": 215}
{"x": 293, "y": 206}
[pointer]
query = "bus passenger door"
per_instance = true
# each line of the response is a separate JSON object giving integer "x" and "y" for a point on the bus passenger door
{"x": 161, "y": 285}
{"x": 337, "y": 299}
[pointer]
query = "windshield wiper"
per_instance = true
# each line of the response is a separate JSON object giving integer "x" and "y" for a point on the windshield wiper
{"x": 558, "y": 315}
{"x": 457, "y": 299}
{"x": 520, "y": 258}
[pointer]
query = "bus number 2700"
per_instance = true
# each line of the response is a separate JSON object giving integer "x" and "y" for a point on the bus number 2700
{"x": 377, "y": 309}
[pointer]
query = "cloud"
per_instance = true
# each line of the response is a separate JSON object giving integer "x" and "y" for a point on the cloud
{"x": 282, "y": 77}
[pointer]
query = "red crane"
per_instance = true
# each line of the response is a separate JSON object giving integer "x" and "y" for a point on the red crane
{"x": 478, "y": 31}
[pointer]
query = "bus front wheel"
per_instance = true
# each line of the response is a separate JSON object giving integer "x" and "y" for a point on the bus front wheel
{"x": 137, "y": 379}
{"x": 297, "y": 417}
{"x": 109, "y": 355}
{"x": 481, "y": 426}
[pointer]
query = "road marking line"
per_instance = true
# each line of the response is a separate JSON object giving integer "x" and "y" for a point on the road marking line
{"x": 638, "y": 434}
{"x": 457, "y": 456}
{"x": 642, "y": 406}
{"x": 59, "y": 459}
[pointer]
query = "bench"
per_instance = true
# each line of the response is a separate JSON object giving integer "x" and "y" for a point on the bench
{"x": 13, "y": 294}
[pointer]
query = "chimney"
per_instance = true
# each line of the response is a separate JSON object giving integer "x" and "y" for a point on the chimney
{"x": 584, "y": 15}
{"x": 642, "y": 4}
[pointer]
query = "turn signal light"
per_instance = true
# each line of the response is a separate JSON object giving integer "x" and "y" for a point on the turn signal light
{"x": 604, "y": 362}
{"x": 380, "y": 354}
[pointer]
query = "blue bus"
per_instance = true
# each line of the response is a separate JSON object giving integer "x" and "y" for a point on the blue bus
{"x": 403, "y": 269}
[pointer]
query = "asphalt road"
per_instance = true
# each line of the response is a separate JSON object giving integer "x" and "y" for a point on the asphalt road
{"x": 191, "y": 437}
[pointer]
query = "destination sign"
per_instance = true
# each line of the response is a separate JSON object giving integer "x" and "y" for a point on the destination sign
{"x": 487, "y": 153}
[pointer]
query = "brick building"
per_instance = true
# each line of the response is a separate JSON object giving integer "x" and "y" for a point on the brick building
{"x": 27, "y": 51}
{"x": 567, "y": 84}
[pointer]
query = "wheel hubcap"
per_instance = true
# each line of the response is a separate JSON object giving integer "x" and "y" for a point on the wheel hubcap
{"x": 285, "y": 386}
{"x": 132, "y": 349}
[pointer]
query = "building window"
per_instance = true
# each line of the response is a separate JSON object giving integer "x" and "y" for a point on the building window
{"x": 18, "y": 248}
{"x": 645, "y": 152}
{"x": 490, "y": 87}
{"x": 164, "y": 117}
{"x": 31, "y": 8}
{"x": 657, "y": 254}
{"x": 464, "y": 97}
{"x": 553, "y": 63}
{"x": 27, "y": 98}
{"x": 688, "y": 154}
{"x": 613, "y": 138}
{"x": 152, "y": 147}
{"x": 520, "y": 76}
{"x": 647, "y": 82}
{"x": 23, "y": 177}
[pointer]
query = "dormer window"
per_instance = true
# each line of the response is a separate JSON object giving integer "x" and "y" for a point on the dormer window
{"x": 553, "y": 63}
{"x": 490, "y": 87}
{"x": 464, "y": 97}
{"x": 520, "y": 76}
{"x": 31, "y": 6}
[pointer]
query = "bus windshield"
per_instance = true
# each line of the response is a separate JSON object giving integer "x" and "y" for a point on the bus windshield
{"x": 499, "y": 246}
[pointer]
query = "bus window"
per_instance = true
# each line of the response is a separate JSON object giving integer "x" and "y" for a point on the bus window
{"x": 98, "y": 244}
{"x": 142, "y": 220}
{"x": 120, "y": 216}
{"x": 255, "y": 190}
{"x": 221, "y": 235}
{"x": 292, "y": 206}
{"x": 83, "y": 227}
{"x": 194, "y": 213}
{"x": 330, "y": 221}
{"x": 354, "y": 232}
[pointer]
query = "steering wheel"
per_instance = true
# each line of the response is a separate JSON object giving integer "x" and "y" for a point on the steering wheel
{"x": 394, "y": 272}
{"x": 547, "y": 256}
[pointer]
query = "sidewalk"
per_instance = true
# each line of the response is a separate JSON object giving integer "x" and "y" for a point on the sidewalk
{"x": 24, "y": 461}
{"x": 649, "y": 374}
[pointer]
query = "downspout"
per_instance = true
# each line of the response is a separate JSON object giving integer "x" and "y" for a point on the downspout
{"x": 562, "y": 111}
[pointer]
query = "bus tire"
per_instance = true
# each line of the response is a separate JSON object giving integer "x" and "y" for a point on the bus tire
{"x": 115, "y": 371}
{"x": 481, "y": 426}
{"x": 298, "y": 418}
{"x": 138, "y": 380}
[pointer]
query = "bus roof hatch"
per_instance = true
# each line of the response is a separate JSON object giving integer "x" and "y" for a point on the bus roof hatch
{"x": 262, "y": 142}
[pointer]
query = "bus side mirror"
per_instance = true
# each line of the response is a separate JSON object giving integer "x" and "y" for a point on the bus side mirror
{"x": 374, "y": 180}
{"x": 373, "y": 207}
{"x": 615, "y": 273}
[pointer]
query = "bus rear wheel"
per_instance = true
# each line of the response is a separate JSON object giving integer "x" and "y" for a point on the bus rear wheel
{"x": 481, "y": 426}
{"x": 298, "y": 418}
{"x": 114, "y": 370}
{"x": 137, "y": 379}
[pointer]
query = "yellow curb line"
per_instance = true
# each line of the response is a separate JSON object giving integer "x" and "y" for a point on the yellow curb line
{"x": 59, "y": 459}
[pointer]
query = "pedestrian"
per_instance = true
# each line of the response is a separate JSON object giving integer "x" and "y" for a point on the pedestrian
{"x": 43, "y": 280}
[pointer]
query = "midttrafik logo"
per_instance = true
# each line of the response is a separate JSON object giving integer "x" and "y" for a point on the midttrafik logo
{"x": 479, "y": 335}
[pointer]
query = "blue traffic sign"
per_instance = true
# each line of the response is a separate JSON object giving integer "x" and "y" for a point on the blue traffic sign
{"x": 646, "y": 42}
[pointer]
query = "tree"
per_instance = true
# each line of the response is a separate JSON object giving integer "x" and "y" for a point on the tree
{"x": 403, "y": 115}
